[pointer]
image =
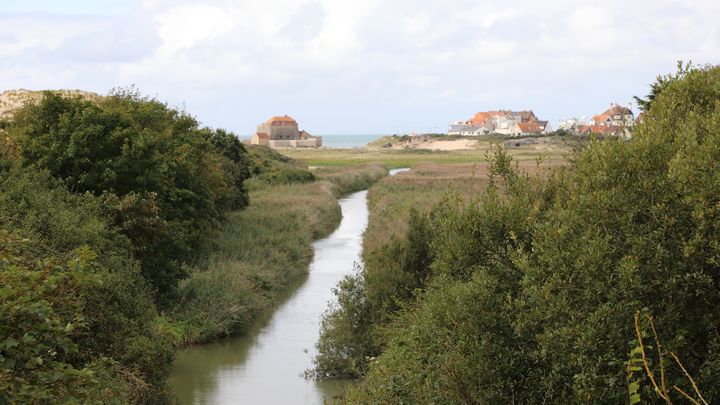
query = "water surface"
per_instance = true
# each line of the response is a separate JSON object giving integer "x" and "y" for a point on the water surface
{"x": 266, "y": 366}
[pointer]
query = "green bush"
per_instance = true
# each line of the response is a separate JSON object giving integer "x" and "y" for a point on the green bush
{"x": 532, "y": 288}
{"x": 350, "y": 330}
{"x": 166, "y": 181}
{"x": 40, "y": 317}
{"x": 286, "y": 176}
{"x": 117, "y": 309}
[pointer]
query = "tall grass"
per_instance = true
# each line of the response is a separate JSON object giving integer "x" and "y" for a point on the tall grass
{"x": 391, "y": 200}
{"x": 353, "y": 178}
{"x": 260, "y": 253}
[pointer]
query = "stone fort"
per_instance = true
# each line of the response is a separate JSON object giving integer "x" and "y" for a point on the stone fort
{"x": 283, "y": 132}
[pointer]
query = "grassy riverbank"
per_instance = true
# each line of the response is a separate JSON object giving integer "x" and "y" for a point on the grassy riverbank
{"x": 261, "y": 252}
{"x": 392, "y": 248}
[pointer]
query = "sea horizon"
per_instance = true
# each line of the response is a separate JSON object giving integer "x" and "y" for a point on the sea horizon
{"x": 345, "y": 141}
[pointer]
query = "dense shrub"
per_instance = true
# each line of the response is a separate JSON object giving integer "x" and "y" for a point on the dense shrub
{"x": 166, "y": 181}
{"x": 367, "y": 300}
{"x": 111, "y": 312}
{"x": 532, "y": 288}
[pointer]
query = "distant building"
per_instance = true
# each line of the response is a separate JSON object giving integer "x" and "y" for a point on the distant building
{"x": 503, "y": 122}
{"x": 600, "y": 129}
{"x": 469, "y": 129}
{"x": 616, "y": 115}
{"x": 616, "y": 120}
{"x": 283, "y": 132}
{"x": 569, "y": 124}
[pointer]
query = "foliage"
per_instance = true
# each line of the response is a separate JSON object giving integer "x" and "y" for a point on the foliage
{"x": 265, "y": 159}
{"x": 40, "y": 316}
{"x": 366, "y": 300}
{"x": 117, "y": 310}
{"x": 286, "y": 176}
{"x": 532, "y": 287}
{"x": 260, "y": 253}
{"x": 352, "y": 178}
{"x": 166, "y": 182}
{"x": 660, "y": 83}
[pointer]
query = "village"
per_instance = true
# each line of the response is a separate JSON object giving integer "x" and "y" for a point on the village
{"x": 617, "y": 120}
{"x": 280, "y": 132}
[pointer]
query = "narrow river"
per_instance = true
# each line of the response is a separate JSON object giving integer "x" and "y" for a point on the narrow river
{"x": 266, "y": 366}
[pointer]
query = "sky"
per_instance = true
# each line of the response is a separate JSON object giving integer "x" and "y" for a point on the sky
{"x": 357, "y": 66}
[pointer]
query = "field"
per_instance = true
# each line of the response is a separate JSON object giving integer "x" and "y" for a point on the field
{"x": 395, "y": 158}
{"x": 392, "y": 198}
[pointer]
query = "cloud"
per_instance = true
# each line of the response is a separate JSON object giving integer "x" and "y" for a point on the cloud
{"x": 363, "y": 65}
{"x": 189, "y": 25}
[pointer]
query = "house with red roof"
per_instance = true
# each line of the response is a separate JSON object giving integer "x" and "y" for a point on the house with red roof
{"x": 616, "y": 115}
{"x": 503, "y": 122}
{"x": 616, "y": 120}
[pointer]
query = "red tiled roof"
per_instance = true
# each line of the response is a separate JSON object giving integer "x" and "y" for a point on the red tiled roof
{"x": 599, "y": 129}
{"x": 530, "y": 127}
{"x": 484, "y": 116}
{"x": 614, "y": 110}
{"x": 283, "y": 118}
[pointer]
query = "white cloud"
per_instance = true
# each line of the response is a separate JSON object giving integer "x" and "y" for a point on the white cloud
{"x": 363, "y": 65}
{"x": 189, "y": 25}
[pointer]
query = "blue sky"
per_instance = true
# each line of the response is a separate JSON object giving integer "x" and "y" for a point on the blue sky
{"x": 349, "y": 66}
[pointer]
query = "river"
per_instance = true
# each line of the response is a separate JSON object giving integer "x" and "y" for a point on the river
{"x": 266, "y": 365}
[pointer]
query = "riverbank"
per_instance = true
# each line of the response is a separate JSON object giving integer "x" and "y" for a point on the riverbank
{"x": 266, "y": 365}
{"x": 260, "y": 253}
{"x": 395, "y": 255}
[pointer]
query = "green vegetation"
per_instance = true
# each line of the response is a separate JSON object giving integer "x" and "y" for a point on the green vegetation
{"x": 528, "y": 292}
{"x": 270, "y": 167}
{"x": 41, "y": 355}
{"x": 125, "y": 233}
{"x": 166, "y": 182}
{"x": 104, "y": 204}
{"x": 77, "y": 317}
{"x": 396, "y": 158}
{"x": 260, "y": 252}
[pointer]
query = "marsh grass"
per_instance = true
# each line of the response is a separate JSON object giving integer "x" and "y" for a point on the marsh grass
{"x": 391, "y": 200}
{"x": 396, "y": 158}
{"x": 352, "y": 178}
{"x": 261, "y": 253}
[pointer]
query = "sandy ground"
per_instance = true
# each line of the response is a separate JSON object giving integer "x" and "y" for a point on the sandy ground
{"x": 11, "y": 100}
{"x": 439, "y": 144}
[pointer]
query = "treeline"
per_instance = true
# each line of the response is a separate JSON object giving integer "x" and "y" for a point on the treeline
{"x": 104, "y": 206}
{"x": 529, "y": 293}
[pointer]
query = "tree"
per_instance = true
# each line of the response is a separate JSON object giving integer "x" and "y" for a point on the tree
{"x": 166, "y": 182}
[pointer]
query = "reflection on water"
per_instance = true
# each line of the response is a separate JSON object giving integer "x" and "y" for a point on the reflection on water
{"x": 266, "y": 366}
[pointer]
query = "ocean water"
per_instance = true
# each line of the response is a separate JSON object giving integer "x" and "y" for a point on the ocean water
{"x": 348, "y": 141}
